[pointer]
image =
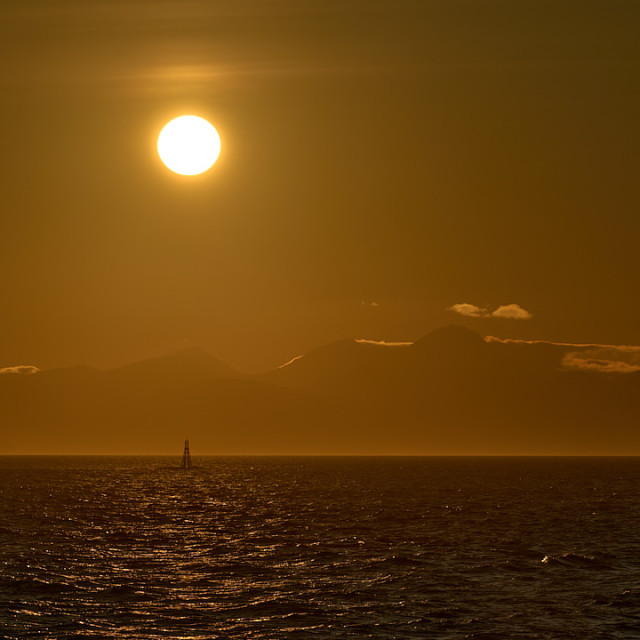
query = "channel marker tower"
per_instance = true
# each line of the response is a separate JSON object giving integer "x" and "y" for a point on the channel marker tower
{"x": 186, "y": 456}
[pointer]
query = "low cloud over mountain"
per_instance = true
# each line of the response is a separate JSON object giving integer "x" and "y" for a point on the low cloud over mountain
{"x": 21, "y": 370}
{"x": 603, "y": 358}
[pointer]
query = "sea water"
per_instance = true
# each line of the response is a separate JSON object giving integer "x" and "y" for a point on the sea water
{"x": 106, "y": 547}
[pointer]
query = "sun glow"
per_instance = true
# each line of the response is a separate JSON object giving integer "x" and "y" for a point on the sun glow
{"x": 188, "y": 145}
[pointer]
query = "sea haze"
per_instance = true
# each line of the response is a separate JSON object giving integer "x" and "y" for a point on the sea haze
{"x": 117, "y": 547}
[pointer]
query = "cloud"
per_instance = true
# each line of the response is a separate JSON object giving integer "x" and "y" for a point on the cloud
{"x": 286, "y": 364}
{"x": 604, "y": 359}
{"x": 383, "y": 343}
{"x": 601, "y": 358}
{"x": 511, "y": 312}
{"x": 506, "y": 311}
{"x": 21, "y": 369}
{"x": 469, "y": 310}
{"x": 521, "y": 341}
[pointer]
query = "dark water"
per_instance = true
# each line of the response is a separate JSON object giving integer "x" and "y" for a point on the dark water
{"x": 320, "y": 548}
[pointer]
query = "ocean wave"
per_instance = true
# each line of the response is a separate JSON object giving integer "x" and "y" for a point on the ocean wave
{"x": 577, "y": 560}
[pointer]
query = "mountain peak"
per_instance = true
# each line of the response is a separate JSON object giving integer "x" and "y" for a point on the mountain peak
{"x": 185, "y": 363}
{"x": 451, "y": 336}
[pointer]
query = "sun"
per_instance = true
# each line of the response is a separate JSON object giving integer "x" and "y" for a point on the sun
{"x": 188, "y": 145}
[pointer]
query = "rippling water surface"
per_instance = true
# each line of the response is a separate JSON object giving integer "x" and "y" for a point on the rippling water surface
{"x": 319, "y": 548}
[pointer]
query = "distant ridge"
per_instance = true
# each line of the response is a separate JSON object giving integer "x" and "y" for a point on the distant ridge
{"x": 450, "y": 392}
{"x": 186, "y": 362}
{"x": 75, "y": 372}
{"x": 452, "y": 337}
{"x": 194, "y": 358}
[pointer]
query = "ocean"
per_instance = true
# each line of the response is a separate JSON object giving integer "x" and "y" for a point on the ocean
{"x": 271, "y": 548}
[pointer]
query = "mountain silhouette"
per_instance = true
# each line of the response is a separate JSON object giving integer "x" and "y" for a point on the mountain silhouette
{"x": 453, "y": 340}
{"x": 450, "y": 392}
{"x": 178, "y": 369}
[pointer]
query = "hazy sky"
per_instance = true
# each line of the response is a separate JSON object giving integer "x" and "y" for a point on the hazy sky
{"x": 381, "y": 162}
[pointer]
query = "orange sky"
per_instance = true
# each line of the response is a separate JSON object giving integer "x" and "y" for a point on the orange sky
{"x": 381, "y": 163}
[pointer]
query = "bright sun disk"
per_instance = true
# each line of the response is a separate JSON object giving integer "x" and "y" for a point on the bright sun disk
{"x": 188, "y": 145}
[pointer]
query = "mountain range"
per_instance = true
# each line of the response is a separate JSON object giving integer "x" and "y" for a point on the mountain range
{"x": 452, "y": 392}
